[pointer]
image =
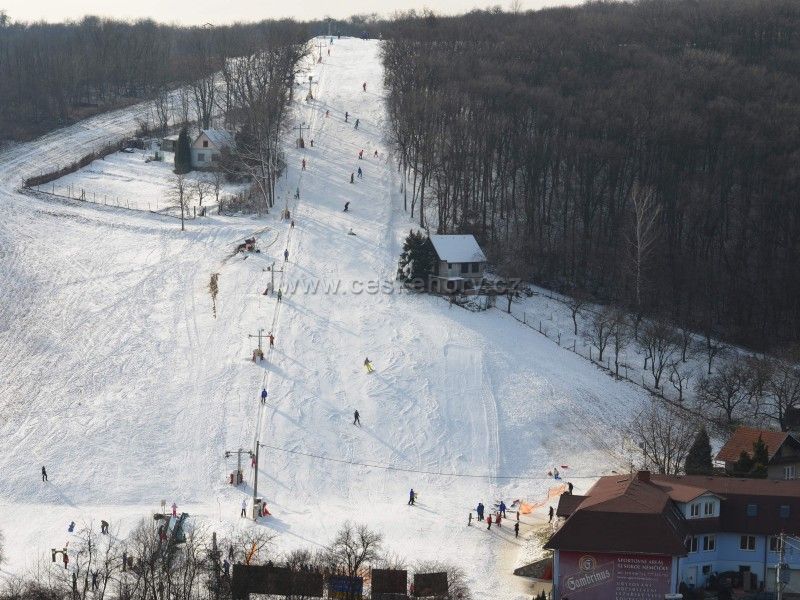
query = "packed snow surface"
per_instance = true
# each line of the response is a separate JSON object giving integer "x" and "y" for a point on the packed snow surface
{"x": 116, "y": 375}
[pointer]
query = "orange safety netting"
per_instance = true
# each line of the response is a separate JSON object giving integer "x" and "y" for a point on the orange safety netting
{"x": 526, "y": 508}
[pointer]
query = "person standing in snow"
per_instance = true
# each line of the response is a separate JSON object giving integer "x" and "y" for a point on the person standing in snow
{"x": 286, "y": 254}
{"x": 480, "y": 510}
{"x": 516, "y": 530}
{"x": 361, "y": 154}
{"x": 280, "y": 295}
{"x": 376, "y": 154}
{"x": 347, "y": 204}
{"x": 469, "y": 519}
{"x": 352, "y": 177}
{"x": 264, "y": 396}
{"x": 488, "y": 522}
{"x": 346, "y": 116}
{"x": 304, "y": 164}
{"x": 412, "y": 496}
{"x": 364, "y": 86}
{"x": 357, "y": 122}
{"x": 569, "y": 487}
{"x": 174, "y": 510}
{"x": 356, "y": 418}
{"x": 104, "y": 527}
{"x": 503, "y": 508}
{"x": 271, "y": 340}
{"x": 327, "y": 113}
{"x": 244, "y": 507}
{"x": 498, "y": 520}
{"x": 555, "y": 473}
{"x": 44, "y": 474}
{"x": 550, "y": 515}
{"x": 360, "y": 173}
{"x": 368, "y": 365}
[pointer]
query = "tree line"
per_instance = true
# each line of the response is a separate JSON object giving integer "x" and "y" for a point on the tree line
{"x": 147, "y": 565}
{"x": 642, "y": 153}
{"x": 54, "y": 73}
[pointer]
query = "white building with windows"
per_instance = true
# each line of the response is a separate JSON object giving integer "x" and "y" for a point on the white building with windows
{"x": 208, "y": 145}
{"x": 459, "y": 264}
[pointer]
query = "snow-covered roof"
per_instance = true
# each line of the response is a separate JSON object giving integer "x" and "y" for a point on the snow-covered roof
{"x": 221, "y": 138}
{"x": 458, "y": 248}
{"x": 174, "y": 138}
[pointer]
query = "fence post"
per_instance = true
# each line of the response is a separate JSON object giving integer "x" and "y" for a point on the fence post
{"x": 590, "y": 354}
{"x": 540, "y": 326}
{"x": 524, "y": 316}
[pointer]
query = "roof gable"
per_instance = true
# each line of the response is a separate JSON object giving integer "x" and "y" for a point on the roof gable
{"x": 744, "y": 438}
{"x": 457, "y": 248}
{"x": 219, "y": 138}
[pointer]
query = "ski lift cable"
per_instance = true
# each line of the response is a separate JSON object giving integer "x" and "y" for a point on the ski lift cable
{"x": 421, "y": 471}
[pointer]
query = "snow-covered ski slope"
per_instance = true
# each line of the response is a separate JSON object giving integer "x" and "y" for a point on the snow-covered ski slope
{"x": 115, "y": 374}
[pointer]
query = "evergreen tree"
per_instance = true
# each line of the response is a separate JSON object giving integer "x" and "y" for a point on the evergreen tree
{"x": 417, "y": 259}
{"x": 698, "y": 460}
{"x": 760, "y": 459}
{"x": 744, "y": 465}
{"x": 183, "y": 153}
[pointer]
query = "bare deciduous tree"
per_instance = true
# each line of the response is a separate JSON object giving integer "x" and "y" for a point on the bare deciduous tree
{"x": 659, "y": 341}
{"x": 663, "y": 436}
{"x": 181, "y": 194}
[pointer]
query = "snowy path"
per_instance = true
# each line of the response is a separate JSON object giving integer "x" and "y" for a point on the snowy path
{"x": 114, "y": 373}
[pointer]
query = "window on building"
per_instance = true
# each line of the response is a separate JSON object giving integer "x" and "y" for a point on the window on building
{"x": 691, "y": 544}
{"x": 706, "y": 569}
{"x": 774, "y": 543}
{"x": 747, "y": 542}
{"x": 709, "y": 543}
{"x": 476, "y": 267}
{"x": 789, "y": 472}
{"x": 205, "y": 143}
{"x": 464, "y": 268}
{"x": 201, "y": 157}
{"x": 785, "y": 511}
{"x": 449, "y": 265}
{"x": 694, "y": 510}
{"x": 708, "y": 509}
{"x": 752, "y": 510}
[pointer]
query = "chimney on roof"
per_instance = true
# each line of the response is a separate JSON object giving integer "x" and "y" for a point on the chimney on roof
{"x": 643, "y": 476}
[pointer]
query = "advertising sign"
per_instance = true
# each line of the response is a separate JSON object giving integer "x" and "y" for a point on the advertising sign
{"x": 595, "y": 576}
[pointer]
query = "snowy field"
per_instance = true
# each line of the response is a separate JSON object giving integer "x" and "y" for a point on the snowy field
{"x": 115, "y": 374}
{"x": 128, "y": 180}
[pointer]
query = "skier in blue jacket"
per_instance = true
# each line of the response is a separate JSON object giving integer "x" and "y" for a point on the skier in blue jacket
{"x": 503, "y": 509}
{"x": 263, "y": 395}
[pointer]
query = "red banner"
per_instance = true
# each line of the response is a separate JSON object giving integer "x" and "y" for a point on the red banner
{"x": 585, "y": 576}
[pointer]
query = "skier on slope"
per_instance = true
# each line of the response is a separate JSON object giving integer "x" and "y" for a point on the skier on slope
{"x": 356, "y": 418}
{"x": 360, "y": 173}
{"x": 347, "y": 204}
{"x": 244, "y": 508}
{"x": 479, "y": 510}
{"x": 364, "y": 86}
{"x": 346, "y": 116}
{"x": 376, "y": 154}
{"x": 516, "y": 530}
{"x": 368, "y": 365}
{"x": 412, "y": 496}
{"x": 174, "y": 510}
{"x": 361, "y": 154}
{"x": 286, "y": 254}
{"x": 271, "y": 340}
{"x": 352, "y": 177}
{"x": 550, "y": 515}
{"x": 357, "y": 122}
{"x": 280, "y": 295}
{"x": 264, "y": 396}
{"x": 304, "y": 164}
{"x": 503, "y": 508}
{"x": 44, "y": 474}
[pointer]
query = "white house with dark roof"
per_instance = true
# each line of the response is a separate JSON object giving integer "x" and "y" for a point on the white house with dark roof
{"x": 208, "y": 145}
{"x": 459, "y": 264}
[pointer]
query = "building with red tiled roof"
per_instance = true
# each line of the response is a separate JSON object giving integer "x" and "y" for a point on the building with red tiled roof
{"x": 639, "y": 537}
{"x": 783, "y": 449}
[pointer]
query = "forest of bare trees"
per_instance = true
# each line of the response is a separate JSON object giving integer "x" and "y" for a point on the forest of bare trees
{"x": 52, "y": 74}
{"x": 642, "y": 153}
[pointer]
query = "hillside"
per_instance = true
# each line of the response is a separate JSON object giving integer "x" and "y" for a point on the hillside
{"x": 116, "y": 375}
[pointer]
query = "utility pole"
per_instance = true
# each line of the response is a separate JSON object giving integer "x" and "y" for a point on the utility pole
{"x": 778, "y": 572}
{"x": 302, "y": 126}
{"x": 310, "y": 83}
{"x": 239, "y": 452}
{"x": 255, "y": 477}
{"x": 259, "y": 336}
{"x": 319, "y": 45}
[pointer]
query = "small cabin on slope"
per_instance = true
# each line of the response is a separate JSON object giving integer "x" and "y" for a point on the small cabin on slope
{"x": 459, "y": 263}
{"x": 208, "y": 145}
